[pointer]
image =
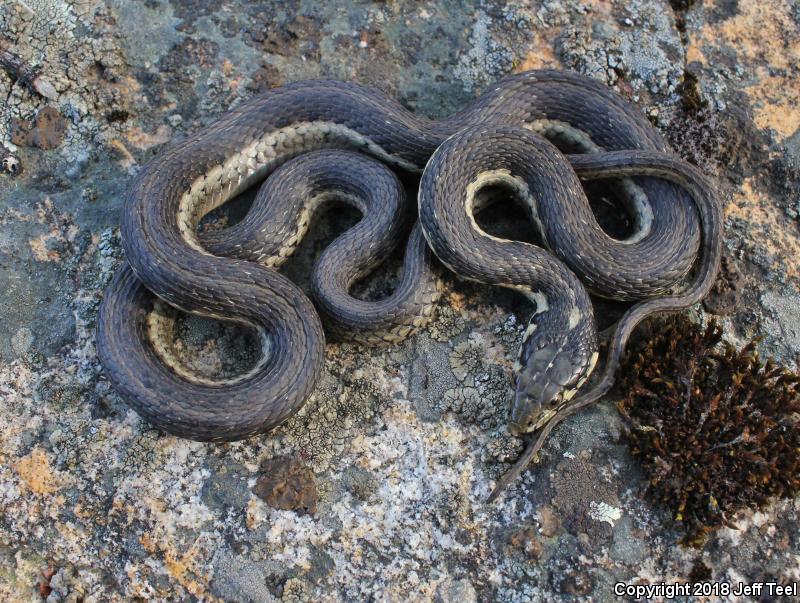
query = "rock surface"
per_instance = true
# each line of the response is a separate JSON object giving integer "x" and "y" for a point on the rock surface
{"x": 402, "y": 444}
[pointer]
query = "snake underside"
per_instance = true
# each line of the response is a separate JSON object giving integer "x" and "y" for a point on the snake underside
{"x": 536, "y": 134}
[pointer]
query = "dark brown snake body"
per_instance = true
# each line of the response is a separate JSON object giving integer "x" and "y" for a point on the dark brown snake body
{"x": 295, "y": 135}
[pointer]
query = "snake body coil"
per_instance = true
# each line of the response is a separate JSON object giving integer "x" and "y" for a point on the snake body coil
{"x": 294, "y": 136}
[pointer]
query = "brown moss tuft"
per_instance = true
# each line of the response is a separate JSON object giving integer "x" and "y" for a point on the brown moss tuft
{"x": 679, "y": 8}
{"x": 691, "y": 97}
{"x": 681, "y": 5}
{"x": 715, "y": 428}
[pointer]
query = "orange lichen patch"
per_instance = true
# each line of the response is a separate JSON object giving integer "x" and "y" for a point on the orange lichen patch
{"x": 148, "y": 543}
{"x": 694, "y": 54}
{"x": 45, "y": 247}
{"x": 180, "y": 566}
{"x": 122, "y": 511}
{"x": 43, "y": 210}
{"x": 80, "y": 512}
{"x": 254, "y": 514}
{"x": 126, "y": 159}
{"x": 142, "y": 140}
{"x": 40, "y": 247}
{"x": 781, "y": 110}
{"x": 11, "y": 214}
{"x": 541, "y": 57}
{"x": 766, "y": 219}
{"x": 455, "y": 300}
{"x": 184, "y": 567}
{"x": 56, "y": 505}
{"x": 764, "y": 36}
{"x": 35, "y": 472}
{"x": 127, "y": 86}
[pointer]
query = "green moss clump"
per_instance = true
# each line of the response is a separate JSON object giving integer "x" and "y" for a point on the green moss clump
{"x": 715, "y": 428}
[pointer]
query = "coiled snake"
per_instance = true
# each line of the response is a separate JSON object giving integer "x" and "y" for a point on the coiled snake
{"x": 304, "y": 136}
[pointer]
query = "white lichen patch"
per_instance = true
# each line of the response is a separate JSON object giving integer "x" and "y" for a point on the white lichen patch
{"x": 416, "y": 465}
{"x": 602, "y": 511}
{"x": 448, "y": 322}
{"x": 483, "y": 56}
{"x": 429, "y": 490}
{"x": 471, "y": 357}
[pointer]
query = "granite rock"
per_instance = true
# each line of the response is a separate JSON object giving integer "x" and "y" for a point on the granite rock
{"x": 403, "y": 443}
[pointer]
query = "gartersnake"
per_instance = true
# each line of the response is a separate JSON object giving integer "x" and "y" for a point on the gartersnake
{"x": 501, "y": 138}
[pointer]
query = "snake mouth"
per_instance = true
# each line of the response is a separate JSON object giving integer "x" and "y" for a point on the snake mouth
{"x": 516, "y": 429}
{"x": 519, "y": 429}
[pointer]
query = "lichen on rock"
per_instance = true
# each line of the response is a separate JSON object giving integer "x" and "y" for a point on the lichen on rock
{"x": 403, "y": 443}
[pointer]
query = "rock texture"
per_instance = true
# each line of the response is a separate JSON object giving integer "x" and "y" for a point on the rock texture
{"x": 400, "y": 446}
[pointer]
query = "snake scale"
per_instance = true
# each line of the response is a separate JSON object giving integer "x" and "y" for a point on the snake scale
{"x": 536, "y": 134}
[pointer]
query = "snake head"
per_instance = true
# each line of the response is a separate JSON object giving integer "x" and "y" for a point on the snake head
{"x": 552, "y": 367}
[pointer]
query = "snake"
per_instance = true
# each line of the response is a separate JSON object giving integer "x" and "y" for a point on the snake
{"x": 537, "y": 134}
